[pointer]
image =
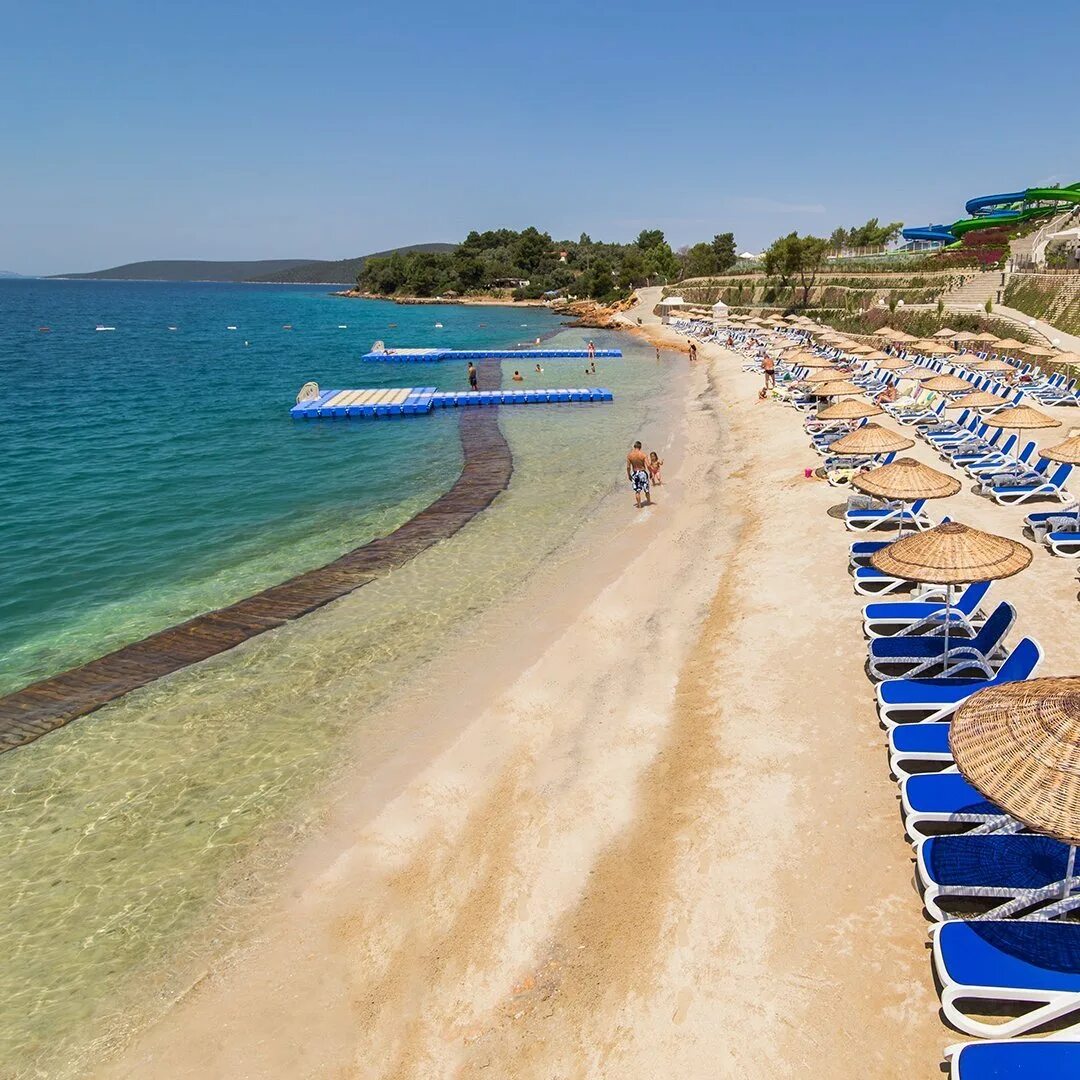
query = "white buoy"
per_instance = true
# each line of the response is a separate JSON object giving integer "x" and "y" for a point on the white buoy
{"x": 438, "y": 326}
{"x": 230, "y": 327}
{"x": 104, "y": 327}
{"x": 172, "y": 327}
{"x": 342, "y": 326}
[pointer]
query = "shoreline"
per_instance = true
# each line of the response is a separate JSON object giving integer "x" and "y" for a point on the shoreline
{"x": 455, "y": 301}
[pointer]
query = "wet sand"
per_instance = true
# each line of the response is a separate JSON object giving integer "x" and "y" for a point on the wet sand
{"x": 650, "y": 832}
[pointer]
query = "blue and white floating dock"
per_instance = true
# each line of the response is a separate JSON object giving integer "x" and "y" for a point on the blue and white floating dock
{"x": 436, "y": 356}
{"x": 419, "y": 401}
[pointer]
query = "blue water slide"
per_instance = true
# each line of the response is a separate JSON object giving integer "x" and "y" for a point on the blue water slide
{"x": 982, "y": 203}
{"x": 938, "y": 233}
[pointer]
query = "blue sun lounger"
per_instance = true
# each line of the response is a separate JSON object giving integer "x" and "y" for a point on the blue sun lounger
{"x": 944, "y": 802}
{"x": 904, "y": 657}
{"x": 1013, "y": 960}
{"x": 991, "y": 869}
{"x": 891, "y": 516}
{"x": 907, "y": 701}
{"x": 917, "y": 617}
{"x": 1014, "y": 1059}
{"x": 919, "y": 748}
{"x": 1015, "y": 494}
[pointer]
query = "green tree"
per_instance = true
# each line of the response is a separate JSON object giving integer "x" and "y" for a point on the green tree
{"x": 701, "y": 261}
{"x": 723, "y": 246}
{"x": 650, "y": 238}
{"x": 795, "y": 256}
{"x": 631, "y": 269}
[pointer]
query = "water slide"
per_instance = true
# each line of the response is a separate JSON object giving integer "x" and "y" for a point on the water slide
{"x": 988, "y": 211}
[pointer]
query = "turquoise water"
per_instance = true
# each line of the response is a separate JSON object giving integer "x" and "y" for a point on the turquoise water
{"x": 138, "y": 841}
{"x": 150, "y": 474}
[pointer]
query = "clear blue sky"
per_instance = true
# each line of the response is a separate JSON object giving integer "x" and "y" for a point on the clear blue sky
{"x": 137, "y": 130}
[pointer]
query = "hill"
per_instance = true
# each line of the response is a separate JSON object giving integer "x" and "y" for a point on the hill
{"x": 343, "y": 271}
{"x": 190, "y": 270}
{"x": 9, "y": 274}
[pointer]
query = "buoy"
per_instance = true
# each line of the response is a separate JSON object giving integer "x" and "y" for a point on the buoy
{"x": 438, "y": 326}
{"x": 342, "y": 326}
{"x": 172, "y": 327}
{"x": 287, "y": 326}
{"x": 230, "y": 327}
{"x": 43, "y": 329}
{"x": 104, "y": 327}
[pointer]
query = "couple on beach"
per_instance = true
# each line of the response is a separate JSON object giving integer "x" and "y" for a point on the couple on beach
{"x": 643, "y": 472}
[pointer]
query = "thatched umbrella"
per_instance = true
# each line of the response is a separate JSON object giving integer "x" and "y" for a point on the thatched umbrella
{"x": 892, "y": 363}
{"x": 947, "y": 384}
{"x": 979, "y": 399}
{"x": 870, "y": 439}
{"x": 851, "y": 409}
{"x": 946, "y": 332}
{"x": 964, "y": 335}
{"x": 1068, "y": 453}
{"x": 860, "y": 350}
{"x": 952, "y": 554}
{"x": 1009, "y": 343}
{"x": 1022, "y": 418}
{"x": 906, "y": 480}
{"x": 935, "y": 348}
{"x": 811, "y": 360}
{"x": 1019, "y": 745}
{"x": 1038, "y": 350}
{"x": 821, "y": 375}
{"x": 836, "y": 389}
{"x": 900, "y": 335}
{"x": 991, "y": 366}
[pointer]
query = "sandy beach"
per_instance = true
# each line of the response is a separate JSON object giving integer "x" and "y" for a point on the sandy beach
{"x": 648, "y": 831}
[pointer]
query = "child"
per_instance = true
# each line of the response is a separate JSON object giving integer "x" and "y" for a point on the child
{"x": 654, "y": 468}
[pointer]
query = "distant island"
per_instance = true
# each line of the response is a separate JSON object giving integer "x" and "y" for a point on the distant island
{"x": 9, "y": 274}
{"x": 274, "y": 271}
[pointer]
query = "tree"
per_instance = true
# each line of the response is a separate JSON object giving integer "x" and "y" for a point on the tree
{"x": 701, "y": 261}
{"x": 723, "y": 246}
{"x": 649, "y": 239}
{"x": 792, "y": 257}
{"x": 631, "y": 269}
{"x": 660, "y": 262}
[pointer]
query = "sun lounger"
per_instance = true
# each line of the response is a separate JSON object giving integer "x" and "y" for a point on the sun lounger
{"x": 911, "y": 516}
{"x": 944, "y": 802}
{"x": 991, "y": 873}
{"x": 919, "y": 748}
{"x": 904, "y": 657}
{"x": 1015, "y": 494}
{"x": 1014, "y": 1059}
{"x": 908, "y": 701}
{"x": 1013, "y": 961}
{"x": 926, "y": 616}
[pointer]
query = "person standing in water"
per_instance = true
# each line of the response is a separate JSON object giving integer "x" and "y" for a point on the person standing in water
{"x": 472, "y": 375}
{"x": 592, "y": 350}
{"x": 637, "y": 472}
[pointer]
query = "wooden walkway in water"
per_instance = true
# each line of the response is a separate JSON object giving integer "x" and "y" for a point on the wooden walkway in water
{"x": 35, "y": 710}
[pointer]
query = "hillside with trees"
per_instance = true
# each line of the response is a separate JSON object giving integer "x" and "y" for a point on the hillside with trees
{"x": 342, "y": 271}
{"x": 532, "y": 264}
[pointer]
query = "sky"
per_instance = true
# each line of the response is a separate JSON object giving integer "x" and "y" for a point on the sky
{"x": 239, "y": 130}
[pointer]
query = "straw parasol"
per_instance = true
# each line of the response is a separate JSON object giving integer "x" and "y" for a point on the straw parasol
{"x": 951, "y": 554}
{"x": 860, "y": 350}
{"x": 947, "y": 384}
{"x": 876, "y": 356}
{"x": 1038, "y": 350}
{"x": 849, "y": 410}
{"x": 1067, "y": 452}
{"x": 992, "y": 365}
{"x": 946, "y": 332}
{"x": 885, "y": 332}
{"x": 1019, "y": 745}
{"x": 1022, "y": 418}
{"x": 900, "y": 335}
{"x": 934, "y": 348}
{"x": 980, "y": 399}
{"x": 907, "y": 480}
{"x": 835, "y": 389}
{"x": 986, "y": 336}
{"x": 871, "y": 439}
{"x": 964, "y": 335}
{"x": 892, "y": 363}
{"x": 811, "y": 360}
{"x": 820, "y": 375}
{"x": 1009, "y": 343}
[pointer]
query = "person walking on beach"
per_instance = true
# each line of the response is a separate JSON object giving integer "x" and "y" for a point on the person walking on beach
{"x": 637, "y": 472}
{"x": 693, "y": 351}
{"x": 658, "y": 354}
{"x": 472, "y": 375}
{"x": 655, "y": 464}
{"x": 768, "y": 365}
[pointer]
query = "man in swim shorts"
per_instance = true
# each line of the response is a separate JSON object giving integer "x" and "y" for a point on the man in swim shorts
{"x": 637, "y": 472}
{"x": 472, "y": 375}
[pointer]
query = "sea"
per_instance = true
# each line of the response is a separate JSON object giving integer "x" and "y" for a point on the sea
{"x": 150, "y": 472}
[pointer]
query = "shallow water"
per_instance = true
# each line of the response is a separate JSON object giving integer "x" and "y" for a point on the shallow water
{"x": 123, "y": 827}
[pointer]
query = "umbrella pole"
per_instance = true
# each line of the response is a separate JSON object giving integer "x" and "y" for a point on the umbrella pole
{"x": 1067, "y": 883}
{"x": 948, "y": 618}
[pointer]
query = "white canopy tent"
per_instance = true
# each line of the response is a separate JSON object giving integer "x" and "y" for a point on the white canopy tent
{"x": 720, "y": 311}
